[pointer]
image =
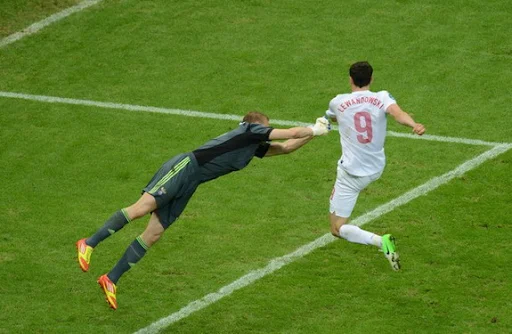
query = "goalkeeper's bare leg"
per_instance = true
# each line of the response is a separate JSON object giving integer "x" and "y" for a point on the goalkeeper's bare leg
{"x": 116, "y": 222}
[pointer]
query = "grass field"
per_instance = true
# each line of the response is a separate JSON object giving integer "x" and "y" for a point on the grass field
{"x": 65, "y": 167}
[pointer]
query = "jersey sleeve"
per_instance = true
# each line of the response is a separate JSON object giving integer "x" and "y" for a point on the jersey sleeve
{"x": 262, "y": 150}
{"x": 387, "y": 99}
{"x": 333, "y": 105}
{"x": 330, "y": 114}
{"x": 260, "y": 132}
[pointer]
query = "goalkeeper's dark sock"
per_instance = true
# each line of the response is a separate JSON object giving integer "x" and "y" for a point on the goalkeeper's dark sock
{"x": 131, "y": 256}
{"x": 116, "y": 222}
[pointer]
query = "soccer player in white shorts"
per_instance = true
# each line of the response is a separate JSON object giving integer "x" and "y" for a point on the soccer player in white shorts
{"x": 361, "y": 117}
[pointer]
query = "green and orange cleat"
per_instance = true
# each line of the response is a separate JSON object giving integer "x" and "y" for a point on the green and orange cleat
{"x": 84, "y": 254}
{"x": 389, "y": 250}
{"x": 109, "y": 288}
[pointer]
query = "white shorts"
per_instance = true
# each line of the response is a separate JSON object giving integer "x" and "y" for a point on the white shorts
{"x": 346, "y": 190}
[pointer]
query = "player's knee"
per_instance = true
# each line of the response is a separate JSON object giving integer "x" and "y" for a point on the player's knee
{"x": 152, "y": 238}
{"x": 335, "y": 230}
{"x": 135, "y": 212}
{"x": 336, "y": 224}
{"x": 139, "y": 209}
{"x": 142, "y": 207}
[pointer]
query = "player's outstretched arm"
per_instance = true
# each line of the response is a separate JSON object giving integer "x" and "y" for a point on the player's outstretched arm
{"x": 291, "y": 133}
{"x": 321, "y": 127}
{"x": 404, "y": 118}
{"x": 287, "y": 147}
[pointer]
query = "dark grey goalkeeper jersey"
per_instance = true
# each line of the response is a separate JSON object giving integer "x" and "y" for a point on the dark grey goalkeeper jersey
{"x": 232, "y": 151}
{"x": 175, "y": 182}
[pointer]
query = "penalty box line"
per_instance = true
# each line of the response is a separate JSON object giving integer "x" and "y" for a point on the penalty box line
{"x": 277, "y": 263}
{"x": 200, "y": 114}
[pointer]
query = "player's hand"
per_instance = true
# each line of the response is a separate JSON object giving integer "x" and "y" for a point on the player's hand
{"x": 324, "y": 120}
{"x": 418, "y": 129}
{"x": 321, "y": 127}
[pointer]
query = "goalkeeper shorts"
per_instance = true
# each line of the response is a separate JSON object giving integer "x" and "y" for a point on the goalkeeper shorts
{"x": 172, "y": 186}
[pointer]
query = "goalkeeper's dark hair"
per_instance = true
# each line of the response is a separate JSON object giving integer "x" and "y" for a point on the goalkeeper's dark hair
{"x": 255, "y": 117}
{"x": 361, "y": 73}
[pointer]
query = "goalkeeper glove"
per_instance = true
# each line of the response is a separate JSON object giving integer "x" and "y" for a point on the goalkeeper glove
{"x": 321, "y": 127}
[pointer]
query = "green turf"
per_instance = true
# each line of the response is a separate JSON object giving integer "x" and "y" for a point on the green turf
{"x": 16, "y": 15}
{"x": 65, "y": 168}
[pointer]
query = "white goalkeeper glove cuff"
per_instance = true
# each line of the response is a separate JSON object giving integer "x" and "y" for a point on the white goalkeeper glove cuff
{"x": 318, "y": 129}
{"x": 321, "y": 127}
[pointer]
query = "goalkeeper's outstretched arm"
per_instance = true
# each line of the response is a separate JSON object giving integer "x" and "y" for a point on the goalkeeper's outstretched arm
{"x": 295, "y": 141}
{"x": 278, "y": 148}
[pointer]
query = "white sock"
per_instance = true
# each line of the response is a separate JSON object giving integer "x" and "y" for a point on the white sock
{"x": 354, "y": 234}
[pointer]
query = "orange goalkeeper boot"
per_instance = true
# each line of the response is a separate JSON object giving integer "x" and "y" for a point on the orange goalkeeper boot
{"x": 109, "y": 288}
{"x": 84, "y": 254}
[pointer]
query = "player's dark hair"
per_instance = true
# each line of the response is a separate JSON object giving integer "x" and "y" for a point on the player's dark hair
{"x": 361, "y": 73}
{"x": 255, "y": 117}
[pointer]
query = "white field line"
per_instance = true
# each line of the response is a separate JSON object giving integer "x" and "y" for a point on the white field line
{"x": 279, "y": 262}
{"x": 191, "y": 113}
{"x": 443, "y": 139}
{"x": 32, "y": 29}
